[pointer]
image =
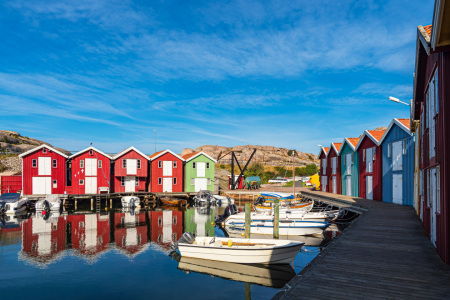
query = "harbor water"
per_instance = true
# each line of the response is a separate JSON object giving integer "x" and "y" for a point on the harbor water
{"x": 126, "y": 255}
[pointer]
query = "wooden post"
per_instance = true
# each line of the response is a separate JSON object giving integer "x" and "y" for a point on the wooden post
{"x": 76, "y": 204}
{"x": 110, "y": 203}
{"x": 248, "y": 212}
{"x": 276, "y": 219}
{"x": 92, "y": 203}
{"x": 248, "y": 295}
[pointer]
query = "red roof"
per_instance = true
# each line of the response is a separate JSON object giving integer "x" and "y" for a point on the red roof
{"x": 187, "y": 156}
{"x": 377, "y": 134}
{"x": 405, "y": 122}
{"x": 427, "y": 30}
{"x": 337, "y": 145}
{"x": 156, "y": 153}
{"x": 326, "y": 149}
{"x": 354, "y": 141}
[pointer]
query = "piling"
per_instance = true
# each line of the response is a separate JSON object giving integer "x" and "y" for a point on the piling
{"x": 248, "y": 212}
{"x": 92, "y": 203}
{"x": 276, "y": 219}
{"x": 248, "y": 295}
{"x": 76, "y": 204}
{"x": 110, "y": 203}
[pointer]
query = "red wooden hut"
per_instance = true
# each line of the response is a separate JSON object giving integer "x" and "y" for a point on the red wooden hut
{"x": 166, "y": 172}
{"x": 130, "y": 233}
{"x": 430, "y": 113}
{"x": 90, "y": 172}
{"x": 43, "y": 171}
{"x": 131, "y": 171}
{"x": 166, "y": 226}
{"x": 370, "y": 166}
{"x": 324, "y": 171}
{"x": 334, "y": 164}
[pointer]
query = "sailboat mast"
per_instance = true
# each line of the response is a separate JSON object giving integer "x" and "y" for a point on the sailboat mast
{"x": 293, "y": 171}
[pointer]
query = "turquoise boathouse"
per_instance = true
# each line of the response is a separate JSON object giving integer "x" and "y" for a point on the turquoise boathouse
{"x": 349, "y": 167}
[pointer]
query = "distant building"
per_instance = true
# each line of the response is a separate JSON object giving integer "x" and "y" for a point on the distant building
{"x": 198, "y": 172}
{"x": 166, "y": 172}
{"x": 349, "y": 167}
{"x": 334, "y": 182}
{"x": 323, "y": 168}
{"x": 131, "y": 171}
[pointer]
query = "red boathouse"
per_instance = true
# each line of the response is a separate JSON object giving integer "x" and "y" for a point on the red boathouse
{"x": 334, "y": 165}
{"x": 324, "y": 172}
{"x": 166, "y": 172}
{"x": 131, "y": 171}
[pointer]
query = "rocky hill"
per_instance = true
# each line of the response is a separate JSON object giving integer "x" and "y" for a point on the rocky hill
{"x": 267, "y": 155}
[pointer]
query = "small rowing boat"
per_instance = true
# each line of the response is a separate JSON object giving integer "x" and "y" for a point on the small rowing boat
{"x": 170, "y": 201}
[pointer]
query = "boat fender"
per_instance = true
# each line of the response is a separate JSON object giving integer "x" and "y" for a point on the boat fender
{"x": 230, "y": 243}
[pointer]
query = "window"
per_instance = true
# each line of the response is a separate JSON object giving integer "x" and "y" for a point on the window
{"x": 159, "y": 163}
{"x": 100, "y": 163}
{"x": 207, "y": 165}
{"x": 34, "y": 163}
{"x": 364, "y": 154}
{"x": 174, "y": 237}
{"x": 192, "y": 181}
{"x": 81, "y": 224}
{"x": 374, "y": 153}
{"x": 428, "y": 189}
{"x": 81, "y": 182}
{"x": 138, "y": 163}
{"x": 55, "y": 184}
{"x": 137, "y": 181}
{"x": 90, "y": 152}
{"x": 81, "y": 163}
{"x": 353, "y": 154}
{"x": 404, "y": 147}
{"x": 389, "y": 149}
{"x": 122, "y": 181}
{"x": 44, "y": 150}
{"x": 54, "y": 163}
{"x": 124, "y": 163}
{"x": 436, "y": 90}
{"x": 160, "y": 181}
{"x": 174, "y": 164}
{"x": 175, "y": 220}
{"x": 174, "y": 181}
{"x": 159, "y": 221}
{"x": 438, "y": 190}
{"x": 193, "y": 165}
{"x": 209, "y": 181}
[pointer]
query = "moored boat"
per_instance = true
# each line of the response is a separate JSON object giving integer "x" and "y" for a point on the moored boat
{"x": 170, "y": 201}
{"x": 12, "y": 203}
{"x": 130, "y": 201}
{"x": 239, "y": 250}
{"x": 302, "y": 206}
{"x": 51, "y": 203}
{"x": 286, "y": 227}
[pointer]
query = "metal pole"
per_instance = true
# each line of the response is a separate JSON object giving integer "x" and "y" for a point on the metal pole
{"x": 276, "y": 219}
{"x": 248, "y": 212}
{"x": 293, "y": 171}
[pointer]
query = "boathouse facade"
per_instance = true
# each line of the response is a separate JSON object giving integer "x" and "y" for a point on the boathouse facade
{"x": 324, "y": 173}
{"x": 91, "y": 171}
{"x": 131, "y": 171}
{"x": 199, "y": 171}
{"x": 334, "y": 181}
{"x": 166, "y": 172}
{"x": 431, "y": 114}
{"x": 349, "y": 167}
{"x": 370, "y": 167}
{"x": 43, "y": 171}
{"x": 398, "y": 163}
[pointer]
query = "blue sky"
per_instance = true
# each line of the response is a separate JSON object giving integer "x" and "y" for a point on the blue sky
{"x": 291, "y": 74}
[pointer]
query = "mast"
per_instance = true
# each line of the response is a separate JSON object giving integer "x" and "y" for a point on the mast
{"x": 293, "y": 171}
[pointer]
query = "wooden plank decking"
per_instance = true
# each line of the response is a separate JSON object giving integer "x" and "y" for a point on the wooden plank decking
{"x": 383, "y": 255}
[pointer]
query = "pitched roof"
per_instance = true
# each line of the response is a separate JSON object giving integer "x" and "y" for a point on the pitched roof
{"x": 377, "y": 134}
{"x": 193, "y": 155}
{"x": 324, "y": 150}
{"x": 40, "y": 147}
{"x": 428, "y": 30}
{"x": 337, "y": 146}
{"x": 128, "y": 150}
{"x": 90, "y": 148}
{"x": 406, "y": 122}
{"x": 352, "y": 142}
{"x": 158, "y": 154}
{"x": 402, "y": 123}
{"x": 155, "y": 154}
{"x": 374, "y": 135}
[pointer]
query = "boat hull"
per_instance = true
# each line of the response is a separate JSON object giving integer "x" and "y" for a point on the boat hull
{"x": 292, "y": 227}
{"x": 282, "y": 254}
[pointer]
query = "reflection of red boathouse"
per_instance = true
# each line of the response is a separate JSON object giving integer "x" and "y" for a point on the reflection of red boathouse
{"x": 166, "y": 226}
{"x": 130, "y": 232}
{"x": 43, "y": 240}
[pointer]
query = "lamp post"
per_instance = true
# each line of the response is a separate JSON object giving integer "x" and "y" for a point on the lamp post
{"x": 155, "y": 139}
{"x": 393, "y": 99}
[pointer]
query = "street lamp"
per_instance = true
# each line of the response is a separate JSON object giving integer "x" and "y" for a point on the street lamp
{"x": 398, "y": 100}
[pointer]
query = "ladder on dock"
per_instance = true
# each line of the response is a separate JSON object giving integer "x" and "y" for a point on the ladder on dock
{"x": 97, "y": 204}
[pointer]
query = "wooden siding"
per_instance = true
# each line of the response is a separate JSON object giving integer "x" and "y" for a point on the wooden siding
{"x": 354, "y": 171}
{"x": 377, "y": 170}
{"x": 78, "y": 173}
{"x": 166, "y": 226}
{"x": 58, "y": 173}
{"x": 191, "y": 173}
{"x": 332, "y": 154}
{"x": 156, "y": 173}
{"x": 396, "y": 134}
{"x": 142, "y": 173}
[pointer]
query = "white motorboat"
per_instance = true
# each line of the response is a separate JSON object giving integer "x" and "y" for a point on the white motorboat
{"x": 51, "y": 202}
{"x": 284, "y": 214}
{"x": 130, "y": 201}
{"x": 239, "y": 250}
{"x": 286, "y": 227}
{"x": 11, "y": 203}
{"x": 276, "y": 195}
{"x": 267, "y": 275}
{"x": 302, "y": 206}
{"x": 206, "y": 197}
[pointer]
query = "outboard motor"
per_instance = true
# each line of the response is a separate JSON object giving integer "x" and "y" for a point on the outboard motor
{"x": 2, "y": 207}
{"x": 230, "y": 210}
{"x": 186, "y": 238}
{"x": 259, "y": 200}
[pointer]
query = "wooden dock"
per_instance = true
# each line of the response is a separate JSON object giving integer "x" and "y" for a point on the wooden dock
{"x": 384, "y": 254}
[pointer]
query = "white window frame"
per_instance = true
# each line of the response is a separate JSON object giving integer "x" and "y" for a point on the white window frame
{"x": 91, "y": 152}
{"x": 160, "y": 164}
{"x": 54, "y": 163}
{"x": 34, "y": 163}
{"x": 55, "y": 183}
{"x": 174, "y": 181}
{"x": 81, "y": 163}
{"x": 138, "y": 163}
{"x": 389, "y": 150}
{"x": 124, "y": 163}
{"x": 81, "y": 182}
{"x": 159, "y": 180}
{"x": 174, "y": 164}
{"x": 122, "y": 181}
{"x": 404, "y": 147}
{"x": 44, "y": 150}
{"x": 137, "y": 181}
{"x": 193, "y": 165}
{"x": 364, "y": 155}
{"x": 207, "y": 165}
{"x": 100, "y": 164}
{"x": 436, "y": 90}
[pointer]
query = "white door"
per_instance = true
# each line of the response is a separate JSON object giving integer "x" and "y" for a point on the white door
{"x": 324, "y": 183}
{"x": 201, "y": 169}
{"x": 369, "y": 187}
{"x": 334, "y": 185}
{"x": 348, "y": 163}
{"x": 397, "y": 188}
{"x": 349, "y": 185}
{"x": 433, "y": 204}
{"x": 90, "y": 185}
{"x": 167, "y": 168}
{"x": 324, "y": 166}
{"x": 167, "y": 184}
{"x": 397, "y": 156}
{"x": 91, "y": 167}
{"x": 334, "y": 165}
{"x": 369, "y": 160}
{"x": 130, "y": 184}
{"x": 42, "y": 185}
{"x": 131, "y": 166}
{"x": 44, "y": 166}
{"x": 201, "y": 184}
{"x": 167, "y": 226}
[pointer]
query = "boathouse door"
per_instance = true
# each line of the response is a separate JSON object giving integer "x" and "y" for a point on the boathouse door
{"x": 44, "y": 166}
{"x": 369, "y": 187}
{"x": 201, "y": 184}
{"x": 397, "y": 188}
{"x": 42, "y": 185}
{"x": 324, "y": 183}
{"x": 334, "y": 185}
{"x": 131, "y": 166}
{"x": 201, "y": 167}
{"x": 433, "y": 203}
{"x": 167, "y": 184}
{"x": 167, "y": 168}
{"x": 349, "y": 185}
{"x": 91, "y": 185}
{"x": 130, "y": 184}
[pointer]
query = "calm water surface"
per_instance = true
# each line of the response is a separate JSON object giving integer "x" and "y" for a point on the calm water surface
{"x": 125, "y": 255}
